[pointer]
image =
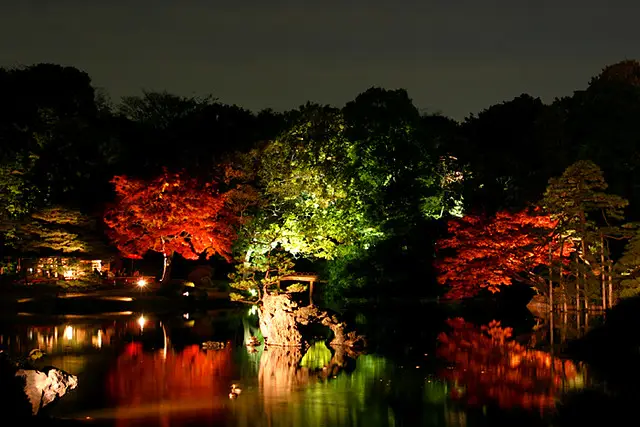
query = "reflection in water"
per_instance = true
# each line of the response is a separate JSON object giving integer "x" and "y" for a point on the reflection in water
{"x": 332, "y": 387}
{"x": 487, "y": 366}
{"x": 133, "y": 375}
{"x": 60, "y": 338}
{"x": 151, "y": 385}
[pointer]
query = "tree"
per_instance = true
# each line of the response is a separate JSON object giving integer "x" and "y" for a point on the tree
{"x": 263, "y": 272}
{"x": 57, "y": 229}
{"x": 492, "y": 147}
{"x": 627, "y": 268}
{"x": 601, "y": 125}
{"x": 308, "y": 206}
{"x": 492, "y": 252}
{"x": 49, "y": 136}
{"x": 17, "y": 195}
{"x": 152, "y": 124}
{"x": 586, "y": 213}
{"x": 394, "y": 163}
{"x": 170, "y": 214}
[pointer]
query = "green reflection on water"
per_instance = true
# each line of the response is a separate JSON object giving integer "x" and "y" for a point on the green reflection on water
{"x": 317, "y": 356}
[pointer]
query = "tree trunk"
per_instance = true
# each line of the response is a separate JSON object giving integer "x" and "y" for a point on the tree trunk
{"x": 603, "y": 275}
{"x": 610, "y": 284}
{"x": 550, "y": 280}
{"x": 166, "y": 268}
{"x": 563, "y": 289}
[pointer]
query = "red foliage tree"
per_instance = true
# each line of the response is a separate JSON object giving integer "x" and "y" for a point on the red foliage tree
{"x": 494, "y": 252}
{"x": 488, "y": 367}
{"x": 170, "y": 214}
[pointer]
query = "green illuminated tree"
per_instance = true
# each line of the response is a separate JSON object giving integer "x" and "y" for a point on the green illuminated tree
{"x": 586, "y": 214}
{"x": 307, "y": 205}
{"x": 262, "y": 273}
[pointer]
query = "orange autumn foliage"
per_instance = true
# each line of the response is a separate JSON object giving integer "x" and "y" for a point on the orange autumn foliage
{"x": 488, "y": 253}
{"x": 489, "y": 367}
{"x": 170, "y": 214}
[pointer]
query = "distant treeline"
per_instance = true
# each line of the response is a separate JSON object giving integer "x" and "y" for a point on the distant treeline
{"x": 362, "y": 187}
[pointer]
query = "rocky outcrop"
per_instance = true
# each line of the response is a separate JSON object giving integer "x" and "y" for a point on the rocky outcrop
{"x": 278, "y": 321}
{"x": 24, "y": 390}
{"x": 43, "y": 388}
{"x": 281, "y": 320}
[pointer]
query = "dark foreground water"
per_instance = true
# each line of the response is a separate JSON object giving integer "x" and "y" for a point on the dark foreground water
{"x": 424, "y": 368}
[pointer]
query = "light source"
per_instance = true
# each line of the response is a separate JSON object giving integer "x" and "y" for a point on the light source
{"x": 141, "y": 283}
{"x": 142, "y": 321}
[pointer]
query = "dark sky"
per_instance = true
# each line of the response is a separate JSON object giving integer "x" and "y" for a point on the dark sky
{"x": 453, "y": 56}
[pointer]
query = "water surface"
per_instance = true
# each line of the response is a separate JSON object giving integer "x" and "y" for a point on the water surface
{"x": 137, "y": 369}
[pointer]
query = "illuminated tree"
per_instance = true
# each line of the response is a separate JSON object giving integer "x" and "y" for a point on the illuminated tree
{"x": 170, "y": 214}
{"x": 492, "y": 252}
{"x": 586, "y": 214}
{"x": 263, "y": 272}
{"x": 307, "y": 205}
{"x": 57, "y": 229}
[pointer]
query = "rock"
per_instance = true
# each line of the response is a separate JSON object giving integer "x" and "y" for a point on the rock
{"x": 280, "y": 321}
{"x": 43, "y": 388}
{"x": 539, "y": 306}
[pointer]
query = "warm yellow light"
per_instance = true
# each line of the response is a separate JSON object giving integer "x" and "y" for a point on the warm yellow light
{"x": 68, "y": 333}
{"x": 97, "y": 340}
{"x": 68, "y": 274}
{"x": 142, "y": 321}
{"x": 141, "y": 283}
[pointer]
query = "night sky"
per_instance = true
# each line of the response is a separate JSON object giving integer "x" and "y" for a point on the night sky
{"x": 454, "y": 56}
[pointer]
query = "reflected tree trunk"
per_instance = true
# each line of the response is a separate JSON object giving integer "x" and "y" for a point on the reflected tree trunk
{"x": 577, "y": 284}
{"x": 603, "y": 273}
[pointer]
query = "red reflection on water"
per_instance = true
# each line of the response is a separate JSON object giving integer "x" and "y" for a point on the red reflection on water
{"x": 160, "y": 387}
{"x": 489, "y": 367}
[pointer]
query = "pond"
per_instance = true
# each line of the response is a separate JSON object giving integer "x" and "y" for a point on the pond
{"x": 424, "y": 368}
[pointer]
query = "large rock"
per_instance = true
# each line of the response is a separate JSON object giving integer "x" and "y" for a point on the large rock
{"x": 278, "y": 321}
{"x": 43, "y": 388}
{"x": 281, "y": 319}
{"x": 539, "y": 306}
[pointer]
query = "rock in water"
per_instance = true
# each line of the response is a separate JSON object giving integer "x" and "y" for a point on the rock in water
{"x": 539, "y": 306}
{"x": 281, "y": 320}
{"x": 43, "y": 388}
{"x": 278, "y": 321}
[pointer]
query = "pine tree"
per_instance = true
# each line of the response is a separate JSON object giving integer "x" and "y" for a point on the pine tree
{"x": 586, "y": 214}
